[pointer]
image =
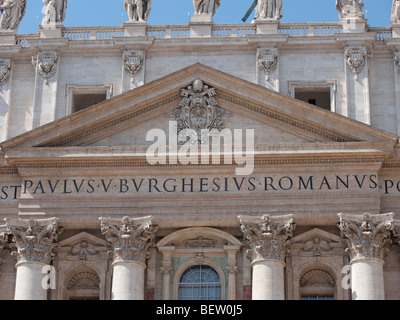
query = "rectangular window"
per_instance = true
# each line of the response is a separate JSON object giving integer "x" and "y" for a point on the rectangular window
{"x": 320, "y": 93}
{"x": 320, "y": 97}
{"x": 82, "y": 97}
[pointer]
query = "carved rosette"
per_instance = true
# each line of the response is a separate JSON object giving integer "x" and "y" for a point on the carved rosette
{"x": 366, "y": 235}
{"x": 46, "y": 64}
{"x": 355, "y": 59}
{"x": 34, "y": 239}
{"x": 5, "y": 66}
{"x": 133, "y": 62}
{"x": 199, "y": 114}
{"x": 130, "y": 238}
{"x": 267, "y": 236}
{"x": 267, "y": 60}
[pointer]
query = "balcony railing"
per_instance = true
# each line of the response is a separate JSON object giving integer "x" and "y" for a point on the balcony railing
{"x": 218, "y": 31}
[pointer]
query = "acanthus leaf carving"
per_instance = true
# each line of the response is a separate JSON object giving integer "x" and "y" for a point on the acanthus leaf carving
{"x": 34, "y": 239}
{"x": 267, "y": 236}
{"x": 366, "y": 235}
{"x": 130, "y": 238}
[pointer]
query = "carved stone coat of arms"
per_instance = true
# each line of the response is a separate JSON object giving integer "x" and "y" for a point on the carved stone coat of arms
{"x": 199, "y": 113}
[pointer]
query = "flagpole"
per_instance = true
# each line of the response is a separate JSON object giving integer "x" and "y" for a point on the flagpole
{"x": 248, "y": 13}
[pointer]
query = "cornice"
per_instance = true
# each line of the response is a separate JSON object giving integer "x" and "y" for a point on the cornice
{"x": 286, "y": 120}
{"x": 98, "y": 128}
{"x": 121, "y": 164}
{"x": 8, "y": 171}
{"x": 159, "y": 96}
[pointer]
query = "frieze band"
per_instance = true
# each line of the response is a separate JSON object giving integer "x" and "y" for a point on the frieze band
{"x": 206, "y": 184}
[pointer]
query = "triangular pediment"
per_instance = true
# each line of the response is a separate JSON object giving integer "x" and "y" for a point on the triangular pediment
{"x": 86, "y": 238}
{"x": 124, "y": 120}
{"x": 317, "y": 233}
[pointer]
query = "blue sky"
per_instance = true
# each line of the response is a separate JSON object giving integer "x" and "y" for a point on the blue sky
{"x": 111, "y": 12}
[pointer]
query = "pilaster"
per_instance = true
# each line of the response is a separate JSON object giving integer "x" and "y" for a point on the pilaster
{"x": 357, "y": 83}
{"x": 5, "y": 95}
{"x": 396, "y": 70}
{"x": 268, "y": 68}
{"x": 232, "y": 270}
{"x": 166, "y": 271}
{"x": 367, "y": 236}
{"x": 46, "y": 82}
{"x": 133, "y": 69}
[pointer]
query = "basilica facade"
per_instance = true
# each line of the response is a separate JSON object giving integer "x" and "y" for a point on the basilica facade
{"x": 202, "y": 161}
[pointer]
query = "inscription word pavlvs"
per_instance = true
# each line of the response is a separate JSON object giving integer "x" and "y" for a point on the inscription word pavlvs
{"x": 142, "y": 186}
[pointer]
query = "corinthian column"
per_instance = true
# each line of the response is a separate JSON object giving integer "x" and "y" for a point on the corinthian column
{"x": 35, "y": 240}
{"x": 131, "y": 239}
{"x": 267, "y": 238}
{"x": 366, "y": 236}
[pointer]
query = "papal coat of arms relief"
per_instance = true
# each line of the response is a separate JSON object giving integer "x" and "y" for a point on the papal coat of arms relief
{"x": 199, "y": 115}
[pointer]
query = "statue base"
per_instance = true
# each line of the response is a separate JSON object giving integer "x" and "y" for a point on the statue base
{"x": 354, "y": 25}
{"x": 395, "y": 30}
{"x": 8, "y": 38}
{"x": 267, "y": 26}
{"x": 201, "y": 18}
{"x": 201, "y": 25}
{"x": 135, "y": 29}
{"x": 51, "y": 30}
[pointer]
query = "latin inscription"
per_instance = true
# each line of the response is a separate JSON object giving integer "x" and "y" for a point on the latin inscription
{"x": 201, "y": 185}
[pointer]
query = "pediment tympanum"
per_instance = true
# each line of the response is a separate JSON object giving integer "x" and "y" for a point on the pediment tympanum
{"x": 124, "y": 120}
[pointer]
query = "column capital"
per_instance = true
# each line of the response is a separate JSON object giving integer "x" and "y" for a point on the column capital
{"x": 34, "y": 239}
{"x": 3, "y": 238}
{"x": 267, "y": 236}
{"x": 396, "y": 230}
{"x": 130, "y": 237}
{"x": 366, "y": 235}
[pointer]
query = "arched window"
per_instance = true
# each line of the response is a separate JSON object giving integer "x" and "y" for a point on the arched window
{"x": 84, "y": 284}
{"x": 317, "y": 284}
{"x": 200, "y": 282}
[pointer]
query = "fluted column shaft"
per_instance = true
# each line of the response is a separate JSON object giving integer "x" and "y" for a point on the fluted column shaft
{"x": 131, "y": 239}
{"x": 267, "y": 238}
{"x": 366, "y": 236}
{"x": 34, "y": 240}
